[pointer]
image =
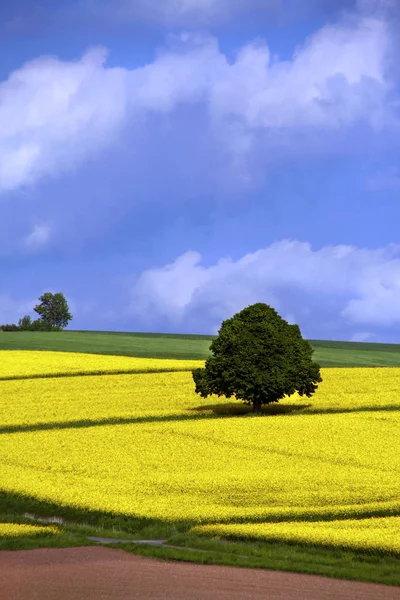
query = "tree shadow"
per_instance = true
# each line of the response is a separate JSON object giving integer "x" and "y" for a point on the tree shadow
{"x": 234, "y": 409}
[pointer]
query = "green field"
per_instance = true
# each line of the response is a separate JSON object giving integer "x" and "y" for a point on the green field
{"x": 121, "y": 344}
{"x": 189, "y": 347}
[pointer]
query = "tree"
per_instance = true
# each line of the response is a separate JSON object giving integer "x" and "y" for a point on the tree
{"x": 25, "y": 323}
{"x": 53, "y": 310}
{"x": 11, "y": 327}
{"x": 258, "y": 358}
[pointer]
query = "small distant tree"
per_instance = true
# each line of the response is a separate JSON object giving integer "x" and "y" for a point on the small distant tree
{"x": 10, "y": 327}
{"x": 25, "y": 323}
{"x": 258, "y": 358}
{"x": 53, "y": 310}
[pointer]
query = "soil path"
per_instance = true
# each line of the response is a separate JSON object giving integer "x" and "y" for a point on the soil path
{"x": 112, "y": 574}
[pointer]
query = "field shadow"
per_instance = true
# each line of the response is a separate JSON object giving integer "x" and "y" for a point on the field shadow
{"x": 83, "y": 423}
{"x": 62, "y": 375}
{"x": 14, "y": 505}
{"x": 234, "y": 409}
{"x": 221, "y": 410}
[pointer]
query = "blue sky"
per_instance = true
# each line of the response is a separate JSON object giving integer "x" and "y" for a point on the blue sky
{"x": 166, "y": 164}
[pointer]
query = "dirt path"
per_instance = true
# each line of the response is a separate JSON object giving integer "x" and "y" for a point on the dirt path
{"x": 113, "y": 574}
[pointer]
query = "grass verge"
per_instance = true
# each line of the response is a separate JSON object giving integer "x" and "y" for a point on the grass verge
{"x": 370, "y": 568}
{"x": 339, "y": 564}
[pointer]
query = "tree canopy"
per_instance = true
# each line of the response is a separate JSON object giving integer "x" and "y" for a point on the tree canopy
{"x": 258, "y": 358}
{"x": 53, "y": 310}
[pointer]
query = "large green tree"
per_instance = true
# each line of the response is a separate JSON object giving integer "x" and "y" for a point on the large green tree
{"x": 258, "y": 358}
{"x": 53, "y": 310}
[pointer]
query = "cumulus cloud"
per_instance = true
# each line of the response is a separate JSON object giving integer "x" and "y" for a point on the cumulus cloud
{"x": 336, "y": 78}
{"x": 55, "y": 114}
{"x": 363, "y": 284}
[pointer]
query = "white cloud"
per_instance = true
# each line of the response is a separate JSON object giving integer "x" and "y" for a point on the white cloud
{"x": 56, "y": 114}
{"x": 182, "y": 278}
{"x": 365, "y": 284}
{"x": 335, "y": 79}
{"x": 38, "y": 237}
{"x": 379, "y": 297}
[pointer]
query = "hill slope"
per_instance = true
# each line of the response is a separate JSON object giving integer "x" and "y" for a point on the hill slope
{"x": 188, "y": 347}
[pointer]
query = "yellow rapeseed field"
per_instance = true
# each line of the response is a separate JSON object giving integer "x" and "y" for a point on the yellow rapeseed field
{"x": 11, "y": 530}
{"x": 375, "y": 533}
{"x": 30, "y": 363}
{"x": 145, "y": 445}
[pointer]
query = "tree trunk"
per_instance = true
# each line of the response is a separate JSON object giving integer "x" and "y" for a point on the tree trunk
{"x": 257, "y": 406}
